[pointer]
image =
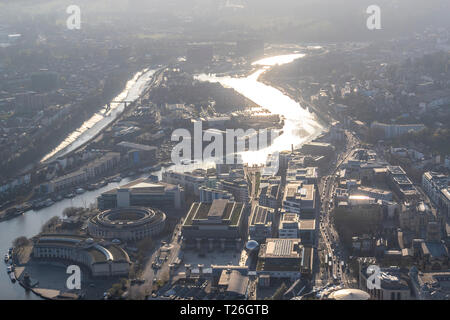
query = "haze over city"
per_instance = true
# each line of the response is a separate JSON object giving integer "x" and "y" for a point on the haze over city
{"x": 246, "y": 151}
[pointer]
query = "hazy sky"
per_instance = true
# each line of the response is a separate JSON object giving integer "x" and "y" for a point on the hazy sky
{"x": 313, "y": 18}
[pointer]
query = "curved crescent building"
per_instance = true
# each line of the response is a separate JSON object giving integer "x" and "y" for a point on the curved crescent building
{"x": 102, "y": 258}
{"x": 127, "y": 224}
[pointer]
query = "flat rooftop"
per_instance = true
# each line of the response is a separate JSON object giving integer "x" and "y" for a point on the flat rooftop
{"x": 290, "y": 217}
{"x": 300, "y": 191}
{"x": 261, "y": 215}
{"x": 217, "y": 209}
{"x": 434, "y": 249}
{"x": 144, "y": 185}
{"x": 308, "y": 224}
{"x": 374, "y": 190}
{"x": 222, "y": 212}
{"x": 282, "y": 248}
{"x": 396, "y": 170}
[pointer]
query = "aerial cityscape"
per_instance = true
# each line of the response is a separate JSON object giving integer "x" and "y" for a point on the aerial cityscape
{"x": 247, "y": 150}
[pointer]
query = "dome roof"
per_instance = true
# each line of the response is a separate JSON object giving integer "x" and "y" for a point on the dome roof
{"x": 349, "y": 294}
{"x": 251, "y": 245}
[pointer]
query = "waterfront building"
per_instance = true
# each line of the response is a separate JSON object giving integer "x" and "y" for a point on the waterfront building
{"x": 101, "y": 258}
{"x": 143, "y": 192}
{"x": 92, "y": 170}
{"x": 189, "y": 181}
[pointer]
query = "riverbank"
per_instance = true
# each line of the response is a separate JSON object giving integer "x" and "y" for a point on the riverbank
{"x": 43, "y": 142}
{"x": 97, "y": 123}
{"x": 23, "y": 271}
{"x": 300, "y": 123}
{"x": 296, "y": 96}
{"x": 84, "y": 138}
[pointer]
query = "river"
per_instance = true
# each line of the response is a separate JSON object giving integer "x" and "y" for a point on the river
{"x": 100, "y": 120}
{"x": 300, "y": 126}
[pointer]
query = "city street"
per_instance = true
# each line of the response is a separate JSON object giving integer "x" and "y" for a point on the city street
{"x": 329, "y": 236}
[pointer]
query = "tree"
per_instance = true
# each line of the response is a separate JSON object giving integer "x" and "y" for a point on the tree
{"x": 71, "y": 211}
{"x": 123, "y": 283}
{"x": 50, "y": 224}
{"x": 20, "y": 242}
{"x": 117, "y": 289}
